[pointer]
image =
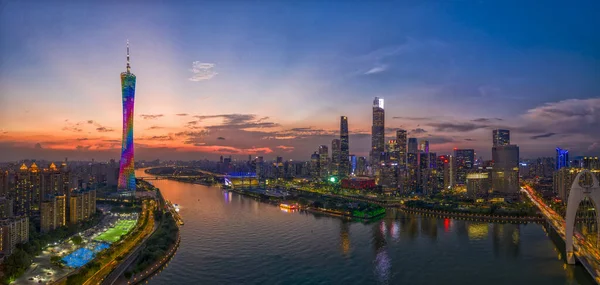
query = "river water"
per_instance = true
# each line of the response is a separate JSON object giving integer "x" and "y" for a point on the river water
{"x": 231, "y": 239}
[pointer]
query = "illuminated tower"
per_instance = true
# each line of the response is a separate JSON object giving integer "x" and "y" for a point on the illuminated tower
{"x": 344, "y": 148}
{"x": 377, "y": 131}
{"x": 126, "y": 173}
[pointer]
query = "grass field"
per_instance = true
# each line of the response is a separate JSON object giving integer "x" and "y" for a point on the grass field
{"x": 114, "y": 234}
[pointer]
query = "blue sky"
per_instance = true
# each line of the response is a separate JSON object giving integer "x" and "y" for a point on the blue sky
{"x": 524, "y": 65}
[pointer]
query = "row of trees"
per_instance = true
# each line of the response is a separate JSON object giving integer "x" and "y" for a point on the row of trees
{"x": 158, "y": 244}
{"x": 16, "y": 264}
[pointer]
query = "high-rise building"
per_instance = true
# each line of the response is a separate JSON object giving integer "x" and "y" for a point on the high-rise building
{"x": 35, "y": 197}
{"x": 344, "y": 168}
{"x": 563, "y": 179}
{"x": 13, "y": 231}
{"x": 401, "y": 140}
{"x": 315, "y": 171}
{"x": 126, "y": 164}
{"x": 323, "y": 162}
{"x": 411, "y": 177}
{"x": 335, "y": 157}
{"x": 442, "y": 177}
{"x": 464, "y": 160}
{"x": 505, "y": 175}
{"x": 377, "y": 132}
{"x": 260, "y": 168}
{"x": 82, "y": 205}
{"x": 6, "y": 207}
{"x": 353, "y": 164}
{"x": 478, "y": 184}
{"x": 562, "y": 158}
{"x": 591, "y": 163}
{"x": 48, "y": 214}
{"x": 501, "y": 137}
{"x": 3, "y": 183}
{"x": 361, "y": 166}
{"x": 23, "y": 189}
{"x": 392, "y": 152}
{"x": 424, "y": 146}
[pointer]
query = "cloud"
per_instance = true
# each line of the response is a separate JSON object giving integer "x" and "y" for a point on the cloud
{"x": 594, "y": 146}
{"x": 155, "y": 128}
{"x": 181, "y": 114}
{"x": 414, "y": 118}
{"x": 160, "y": 138}
{"x": 202, "y": 71}
{"x": 285, "y": 148}
{"x": 234, "y": 121}
{"x": 485, "y": 120}
{"x": 38, "y": 146}
{"x": 546, "y": 135}
{"x": 104, "y": 129}
{"x": 90, "y": 121}
{"x": 221, "y": 138}
{"x": 82, "y": 147}
{"x": 470, "y": 140}
{"x": 376, "y": 69}
{"x": 151, "y": 117}
{"x": 82, "y": 139}
{"x": 417, "y": 131}
{"x": 456, "y": 127}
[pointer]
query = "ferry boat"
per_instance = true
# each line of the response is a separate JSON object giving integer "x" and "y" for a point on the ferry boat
{"x": 288, "y": 206}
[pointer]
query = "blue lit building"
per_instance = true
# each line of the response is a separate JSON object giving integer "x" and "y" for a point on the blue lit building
{"x": 562, "y": 158}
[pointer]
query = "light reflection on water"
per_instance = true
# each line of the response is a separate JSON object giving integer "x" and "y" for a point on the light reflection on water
{"x": 231, "y": 239}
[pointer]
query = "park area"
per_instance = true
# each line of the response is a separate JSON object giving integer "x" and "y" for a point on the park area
{"x": 115, "y": 233}
{"x": 82, "y": 256}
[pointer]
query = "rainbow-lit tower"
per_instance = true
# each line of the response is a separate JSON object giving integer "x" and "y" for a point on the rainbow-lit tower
{"x": 126, "y": 172}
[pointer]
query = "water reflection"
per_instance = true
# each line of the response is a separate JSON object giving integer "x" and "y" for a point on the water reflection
{"x": 345, "y": 236}
{"x": 382, "y": 260}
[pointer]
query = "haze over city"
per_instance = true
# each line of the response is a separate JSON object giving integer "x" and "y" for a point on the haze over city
{"x": 274, "y": 79}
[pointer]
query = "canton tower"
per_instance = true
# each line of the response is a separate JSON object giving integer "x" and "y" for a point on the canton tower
{"x": 126, "y": 172}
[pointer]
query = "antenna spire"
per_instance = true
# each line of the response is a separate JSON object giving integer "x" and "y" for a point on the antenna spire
{"x": 128, "y": 66}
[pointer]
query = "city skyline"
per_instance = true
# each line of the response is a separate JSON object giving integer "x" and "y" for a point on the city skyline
{"x": 438, "y": 86}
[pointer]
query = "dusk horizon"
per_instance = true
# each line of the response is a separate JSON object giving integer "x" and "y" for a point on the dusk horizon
{"x": 245, "y": 87}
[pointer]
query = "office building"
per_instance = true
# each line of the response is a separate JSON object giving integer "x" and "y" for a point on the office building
{"x": 478, "y": 184}
{"x": 392, "y": 152}
{"x": 344, "y": 168}
{"x": 335, "y": 156}
{"x": 401, "y": 140}
{"x": 4, "y": 177}
{"x": 411, "y": 177}
{"x": 464, "y": 162}
{"x": 424, "y": 146}
{"x": 501, "y": 137}
{"x": 562, "y": 158}
{"x": 126, "y": 164}
{"x": 323, "y": 162}
{"x": 591, "y": 163}
{"x": 353, "y": 165}
{"x": 505, "y": 175}
{"x": 361, "y": 166}
{"x": 315, "y": 172}
{"x": 377, "y": 132}
{"x": 563, "y": 180}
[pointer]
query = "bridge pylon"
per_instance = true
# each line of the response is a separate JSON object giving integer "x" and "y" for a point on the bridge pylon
{"x": 576, "y": 195}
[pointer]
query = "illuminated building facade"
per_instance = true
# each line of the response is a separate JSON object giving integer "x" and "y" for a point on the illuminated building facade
{"x": 377, "y": 132}
{"x": 323, "y": 162}
{"x": 82, "y": 205}
{"x": 505, "y": 175}
{"x": 315, "y": 172}
{"x": 335, "y": 156}
{"x": 478, "y": 184}
{"x": 464, "y": 160}
{"x": 344, "y": 168}
{"x": 562, "y": 158}
{"x": 53, "y": 212}
{"x": 401, "y": 140}
{"x": 13, "y": 231}
{"x": 501, "y": 137}
{"x": 126, "y": 171}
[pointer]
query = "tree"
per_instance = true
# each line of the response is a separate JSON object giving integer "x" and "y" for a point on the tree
{"x": 77, "y": 240}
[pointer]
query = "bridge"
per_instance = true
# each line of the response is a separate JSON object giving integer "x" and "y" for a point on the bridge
{"x": 575, "y": 243}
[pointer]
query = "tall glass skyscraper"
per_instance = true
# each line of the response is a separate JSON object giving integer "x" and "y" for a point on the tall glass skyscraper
{"x": 344, "y": 148}
{"x": 126, "y": 171}
{"x": 562, "y": 158}
{"x": 378, "y": 131}
{"x": 501, "y": 137}
{"x": 401, "y": 140}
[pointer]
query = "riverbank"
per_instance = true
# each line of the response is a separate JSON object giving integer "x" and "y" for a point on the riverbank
{"x": 473, "y": 217}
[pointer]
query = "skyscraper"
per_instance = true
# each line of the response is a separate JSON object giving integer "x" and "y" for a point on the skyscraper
{"x": 412, "y": 165}
{"x": 344, "y": 148}
{"x": 323, "y": 162}
{"x": 424, "y": 146}
{"x": 402, "y": 148}
{"x": 377, "y": 131}
{"x": 335, "y": 156}
{"x": 505, "y": 175}
{"x": 126, "y": 171}
{"x": 464, "y": 160}
{"x": 562, "y": 158}
{"x": 501, "y": 137}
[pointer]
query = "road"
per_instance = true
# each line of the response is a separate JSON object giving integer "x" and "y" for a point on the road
{"x": 127, "y": 246}
{"x": 588, "y": 254}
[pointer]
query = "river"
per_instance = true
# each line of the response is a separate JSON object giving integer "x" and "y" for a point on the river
{"x": 231, "y": 239}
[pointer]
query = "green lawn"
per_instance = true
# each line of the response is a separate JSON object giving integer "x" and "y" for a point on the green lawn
{"x": 114, "y": 234}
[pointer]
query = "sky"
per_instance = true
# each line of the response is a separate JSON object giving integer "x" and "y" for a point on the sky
{"x": 272, "y": 78}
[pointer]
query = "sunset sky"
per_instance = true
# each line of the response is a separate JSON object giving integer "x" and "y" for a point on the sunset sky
{"x": 273, "y": 78}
